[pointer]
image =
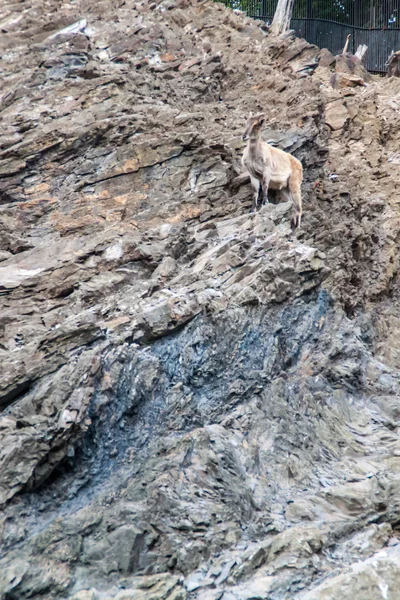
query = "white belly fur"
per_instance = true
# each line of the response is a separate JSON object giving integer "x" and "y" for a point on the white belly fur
{"x": 279, "y": 180}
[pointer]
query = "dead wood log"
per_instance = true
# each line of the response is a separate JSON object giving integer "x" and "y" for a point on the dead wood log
{"x": 282, "y": 17}
{"x": 346, "y": 44}
{"x": 361, "y": 51}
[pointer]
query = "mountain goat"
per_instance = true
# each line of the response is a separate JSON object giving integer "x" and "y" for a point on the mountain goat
{"x": 272, "y": 168}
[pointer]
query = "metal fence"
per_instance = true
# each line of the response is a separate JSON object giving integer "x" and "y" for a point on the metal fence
{"x": 327, "y": 23}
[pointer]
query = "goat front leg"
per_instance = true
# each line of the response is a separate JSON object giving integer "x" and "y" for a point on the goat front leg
{"x": 255, "y": 185}
{"x": 265, "y": 186}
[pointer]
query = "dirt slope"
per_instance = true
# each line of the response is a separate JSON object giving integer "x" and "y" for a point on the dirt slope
{"x": 196, "y": 403}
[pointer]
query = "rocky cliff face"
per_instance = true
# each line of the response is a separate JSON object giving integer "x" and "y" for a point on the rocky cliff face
{"x": 196, "y": 403}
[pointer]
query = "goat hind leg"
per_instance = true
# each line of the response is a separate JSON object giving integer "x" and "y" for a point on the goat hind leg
{"x": 295, "y": 191}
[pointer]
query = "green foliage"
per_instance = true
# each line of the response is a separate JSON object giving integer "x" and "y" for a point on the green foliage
{"x": 253, "y": 8}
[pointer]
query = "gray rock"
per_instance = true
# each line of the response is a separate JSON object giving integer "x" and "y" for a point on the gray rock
{"x": 195, "y": 402}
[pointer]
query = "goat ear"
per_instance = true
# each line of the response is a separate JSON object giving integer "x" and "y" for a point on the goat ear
{"x": 261, "y": 119}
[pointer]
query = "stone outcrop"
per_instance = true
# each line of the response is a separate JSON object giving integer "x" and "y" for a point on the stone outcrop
{"x": 195, "y": 402}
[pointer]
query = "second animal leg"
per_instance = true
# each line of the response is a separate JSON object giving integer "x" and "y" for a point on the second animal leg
{"x": 255, "y": 185}
{"x": 285, "y": 195}
{"x": 295, "y": 191}
{"x": 264, "y": 186}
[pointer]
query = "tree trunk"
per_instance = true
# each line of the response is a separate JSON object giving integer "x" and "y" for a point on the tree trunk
{"x": 282, "y": 17}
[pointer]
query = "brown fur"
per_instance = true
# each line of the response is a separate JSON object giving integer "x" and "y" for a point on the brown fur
{"x": 271, "y": 168}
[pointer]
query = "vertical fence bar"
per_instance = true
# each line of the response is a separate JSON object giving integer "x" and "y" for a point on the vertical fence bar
{"x": 308, "y": 21}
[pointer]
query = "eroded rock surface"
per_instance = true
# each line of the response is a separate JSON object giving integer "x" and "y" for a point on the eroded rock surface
{"x": 195, "y": 402}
